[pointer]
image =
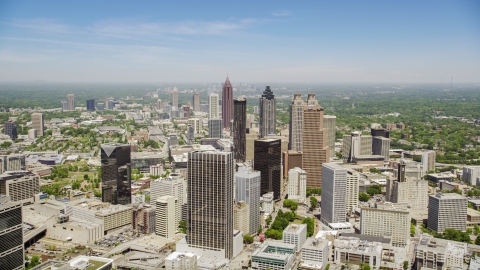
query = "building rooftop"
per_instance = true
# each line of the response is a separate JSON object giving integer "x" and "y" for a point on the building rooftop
{"x": 448, "y": 196}
{"x": 314, "y": 243}
{"x": 275, "y": 251}
{"x": 295, "y": 228}
{"x": 355, "y": 244}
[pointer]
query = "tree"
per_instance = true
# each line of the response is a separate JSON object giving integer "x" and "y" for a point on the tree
{"x": 412, "y": 230}
{"x": 363, "y": 197}
{"x": 405, "y": 265}
{"x": 85, "y": 176}
{"x": 260, "y": 229}
{"x": 310, "y": 225}
{"x": 147, "y": 198}
{"x": 313, "y": 202}
{"x": 34, "y": 261}
{"x": 183, "y": 226}
{"x": 477, "y": 240}
{"x": 328, "y": 267}
{"x": 247, "y": 239}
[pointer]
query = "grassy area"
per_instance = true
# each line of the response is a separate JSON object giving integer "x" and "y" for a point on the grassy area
{"x": 79, "y": 175}
{"x": 96, "y": 265}
{"x": 296, "y": 221}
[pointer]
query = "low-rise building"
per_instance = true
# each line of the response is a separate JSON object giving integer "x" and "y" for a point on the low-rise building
{"x": 295, "y": 234}
{"x": 434, "y": 253}
{"x": 274, "y": 256}
{"x": 473, "y": 217}
{"x": 21, "y": 186}
{"x": 357, "y": 251}
{"x": 314, "y": 254}
{"x": 78, "y": 231}
{"x": 181, "y": 261}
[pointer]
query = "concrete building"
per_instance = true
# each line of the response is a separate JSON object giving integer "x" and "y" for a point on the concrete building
{"x": 274, "y": 256}
{"x": 196, "y": 101}
{"x": 357, "y": 251}
{"x": 71, "y": 102}
{"x": 227, "y": 103}
{"x": 91, "y": 104}
{"x": 366, "y": 142}
{"x": 215, "y": 128}
{"x": 381, "y": 147}
{"x": 268, "y": 160}
{"x": 143, "y": 218}
{"x": 440, "y": 254}
{"x": 241, "y": 217}
{"x": 295, "y": 234}
{"x": 78, "y": 231}
{"x": 334, "y": 193}
{"x": 11, "y": 234}
{"x": 210, "y": 215}
{"x": 297, "y": 185}
{"x": 314, "y": 142}
{"x": 290, "y": 160}
{"x": 355, "y": 145}
{"x": 267, "y": 203}
{"x": 428, "y": 161}
{"x": 447, "y": 211}
{"x": 116, "y": 172}
{"x": 13, "y": 162}
{"x": 115, "y": 216}
{"x": 471, "y": 175}
{"x": 156, "y": 169}
{"x": 32, "y": 133}
{"x": 10, "y": 129}
{"x": 329, "y": 122}
{"x": 247, "y": 189}
{"x": 175, "y": 98}
{"x": 412, "y": 191}
{"x": 181, "y": 261}
{"x": 314, "y": 254}
{"x": 296, "y": 123}
{"x": 240, "y": 129}
{"x": 173, "y": 185}
{"x": 387, "y": 220}
{"x": 165, "y": 216}
{"x": 213, "y": 110}
{"x": 196, "y": 124}
{"x": 351, "y": 198}
{"x": 21, "y": 186}
{"x": 268, "y": 111}
{"x": 64, "y": 105}
{"x": 37, "y": 123}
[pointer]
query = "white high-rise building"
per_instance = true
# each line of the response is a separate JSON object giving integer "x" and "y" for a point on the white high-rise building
{"x": 329, "y": 122}
{"x": 37, "y": 123}
{"x": 334, "y": 193}
{"x": 297, "y": 185}
{"x": 428, "y": 161}
{"x": 351, "y": 201}
{"x": 447, "y": 210}
{"x": 241, "y": 217}
{"x": 295, "y": 234}
{"x": 213, "y": 109}
{"x": 173, "y": 185}
{"x": 315, "y": 253}
{"x": 296, "y": 123}
{"x": 165, "y": 213}
{"x": 413, "y": 192}
{"x": 196, "y": 124}
{"x": 247, "y": 189}
{"x": 471, "y": 175}
{"x": 267, "y": 203}
{"x": 175, "y": 98}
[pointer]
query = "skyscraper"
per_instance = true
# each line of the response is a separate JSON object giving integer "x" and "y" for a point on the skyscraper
{"x": 210, "y": 201}
{"x": 227, "y": 103}
{"x": 196, "y": 102}
{"x": 268, "y": 113}
{"x": 315, "y": 151}
{"x": 297, "y": 184}
{"x": 428, "y": 162}
{"x": 329, "y": 122}
{"x": 381, "y": 146}
{"x": 71, "y": 102}
{"x": 10, "y": 129}
{"x": 37, "y": 123}
{"x": 240, "y": 129}
{"x": 11, "y": 234}
{"x": 165, "y": 213}
{"x": 267, "y": 159}
{"x": 64, "y": 105}
{"x": 296, "y": 123}
{"x": 334, "y": 193}
{"x": 116, "y": 181}
{"x": 91, "y": 104}
{"x": 175, "y": 98}
{"x": 447, "y": 210}
{"x": 247, "y": 189}
{"x": 215, "y": 128}
{"x": 213, "y": 112}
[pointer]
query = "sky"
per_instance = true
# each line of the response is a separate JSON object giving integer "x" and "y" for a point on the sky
{"x": 251, "y": 41}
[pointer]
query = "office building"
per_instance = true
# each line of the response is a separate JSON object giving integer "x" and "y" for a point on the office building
{"x": 181, "y": 261}
{"x": 334, "y": 193}
{"x": 295, "y": 234}
{"x": 196, "y": 124}
{"x": 274, "y": 256}
{"x": 165, "y": 216}
{"x": 210, "y": 208}
{"x": 175, "y": 98}
{"x": 11, "y": 234}
{"x": 267, "y": 159}
{"x": 247, "y": 189}
{"x": 71, "y": 102}
{"x": 290, "y": 160}
{"x": 64, "y": 105}
{"x": 240, "y": 129}
{"x": 381, "y": 147}
{"x": 227, "y": 103}
{"x": 241, "y": 217}
{"x": 267, "y": 203}
{"x": 196, "y": 101}
{"x": 110, "y": 104}
{"x": 75, "y": 230}
{"x": 351, "y": 198}
{"x": 380, "y": 132}
{"x": 329, "y": 122}
{"x": 366, "y": 142}
{"x": 159, "y": 105}
{"x": 213, "y": 110}
{"x": 10, "y": 129}
{"x": 411, "y": 191}
{"x": 268, "y": 112}
{"x": 101, "y": 106}
{"x": 20, "y": 186}
{"x": 215, "y": 128}
{"x": 428, "y": 161}
{"x": 297, "y": 185}
{"x": 91, "y": 104}
{"x": 357, "y": 251}
{"x": 315, "y": 150}
{"x": 296, "y": 123}
{"x": 173, "y": 185}
{"x": 37, "y": 123}
{"x": 440, "y": 254}
{"x": 314, "y": 254}
{"x": 387, "y": 220}
{"x": 32, "y": 133}
{"x": 445, "y": 211}
{"x": 13, "y": 162}
{"x": 471, "y": 175}
{"x": 143, "y": 219}
{"x": 116, "y": 172}
{"x": 356, "y": 144}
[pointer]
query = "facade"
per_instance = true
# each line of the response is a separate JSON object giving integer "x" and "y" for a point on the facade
{"x": 156, "y": 169}
{"x": 75, "y": 230}
{"x": 37, "y": 123}
{"x": 392, "y": 220}
{"x": 196, "y": 124}
{"x": 357, "y": 251}
{"x": 380, "y": 132}
{"x": 210, "y": 208}
{"x": 295, "y": 234}
{"x": 71, "y": 102}
{"x": 329, "y": 122}
{"x": 20, "y": 186}
{"x": 267, "y": 203}
{"x": 143, "y": 219}
{"x": 13, "y": 162}
{"x": 351, "y": 198}
{"x": 297, "y": 185}
{"x": 440, "y": 254}
{"x": 10, "y": 129}
{"x": 471, "y": 175}
{"x": 240, "y": 129}
{"x": 115, "y": 216}
{"x": 181, "y": 261}
{"x": 447, "y": 210}
{"x": 366, "y": 142}
{"x": 227, "y": 103}
{"x": 64, "y": 105}
{"x": 173, "y": 185}
{"x": 428, "y": 161}
{"x": 315, "y": 150}
{"x": 91, "y": 104}
{"x": 334, "y": 193}
{"x": 175, "y": 98}
{"x": 241, "y": 217}
{"x": 314, "y": 254}
{"x": 267, "y": 160}
{"x": 290, "y": 160}
{"x": 165, "y": 216}
{"x": 296, "y": 123}
{"x": 412, "y": 192}
{"x": 213, "y": 107}
{"x": 196, "y": 102}
{"x": 381, "y": 147}
{"x": 215, "y": 128}
{"x": 116, "y": 172}
{"x": 274, "y": 256}
{"x": 247, "y": 189}
{"x": 268, "y": 111}
{"x": 11, "y": 234}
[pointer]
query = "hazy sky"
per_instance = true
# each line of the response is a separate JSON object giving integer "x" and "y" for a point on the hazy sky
{"x": 252, "y": 41}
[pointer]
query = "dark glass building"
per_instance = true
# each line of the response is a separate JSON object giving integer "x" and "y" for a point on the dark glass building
{"x": 11, "y": 234}
{"x": 10, "y": 129}
{"x": 268, "y": 160}
{"x": 91, "y": 104}
{"x": 380, "y": 132}
{"x": 116, "y": 172}
{"x": 239, "y": 129}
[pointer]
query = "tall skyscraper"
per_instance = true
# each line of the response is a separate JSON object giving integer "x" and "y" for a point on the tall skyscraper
{"x": 297, "y": 185}
{"x": 247, "y": 189}
{"x": 215, "y": 128}
{"x": 213, "y": 112}
{"x": 71, "y": 102}
{"x": 196, "y": 102}
{"x": 10, "y": 129}
{"x": 159, "y": 105}
{"x": 116, "y": 172}
{"x": 315, "y": 150}
{"x": 91, "y": 104}
{"x": 165, "y": 216}
{"x": 296, "y": 123}
{"x": 173, "y": 185}
{"x": 268, "y": 111}
{"x": 11, "y": 234}
{"x": 447, "y": 210}
{"x": 351, "y": 199}
{"x": 64, "y": 105}
{"x": 210, "y": 201}
{"x": 175, "y": 98}
{"x": 37, "y": 123}
{"x": 428, "y": 161}
{"x": 381, "y": 147}
{"x": 227, "y": 103}
{"x": 240, "y": 129}
{"x": 329, "y": 122}
{"x": 267, "y": 159}
{"x": 334, "y": 193}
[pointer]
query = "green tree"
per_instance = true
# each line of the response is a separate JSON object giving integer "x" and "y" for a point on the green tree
{"x": 85, "y": 176}
{"x": 405, "y": 265}
{"x": 477, "y": 240}
{"x": 310, "y": 225}
{"x": 183, "y": 226}
{"x": 34, "y": 261}
{"x": 247, "y": 239}
{"x": 313, "y": 202}
{"x": 363, "y": 197}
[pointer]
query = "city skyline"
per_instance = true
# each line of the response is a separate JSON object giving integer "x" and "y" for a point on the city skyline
{"x": 352, "y": 42}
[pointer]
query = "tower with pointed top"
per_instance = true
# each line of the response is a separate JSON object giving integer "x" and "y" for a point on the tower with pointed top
{"x": 227, "y": 103}
{"x": 267, "y": 113}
